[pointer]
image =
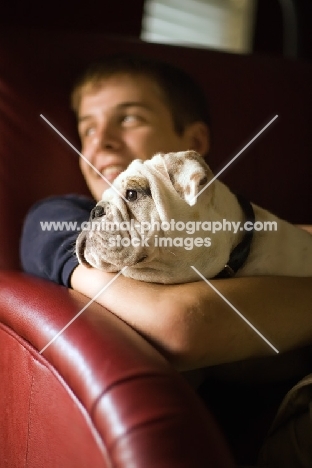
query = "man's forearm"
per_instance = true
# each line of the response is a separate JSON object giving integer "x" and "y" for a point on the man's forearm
{"x": 194, "y": 327}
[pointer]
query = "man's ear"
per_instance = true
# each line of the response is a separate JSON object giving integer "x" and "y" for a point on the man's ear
{"x": 197, "y": 137}
{"x": 188, "y": 173}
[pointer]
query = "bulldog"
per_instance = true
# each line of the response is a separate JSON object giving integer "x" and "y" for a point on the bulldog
{"x": 168, "y": 218}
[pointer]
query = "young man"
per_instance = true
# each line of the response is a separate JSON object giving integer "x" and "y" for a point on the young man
{"x": 128, "y": 109}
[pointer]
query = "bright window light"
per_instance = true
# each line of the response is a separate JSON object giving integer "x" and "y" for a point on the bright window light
{"x": 220, "y": 24}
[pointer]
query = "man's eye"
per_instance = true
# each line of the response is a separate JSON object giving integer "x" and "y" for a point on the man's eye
{"x": 89, "y": 131}
{"x": 131, "y": 195}
{"x": 131, "y": 119}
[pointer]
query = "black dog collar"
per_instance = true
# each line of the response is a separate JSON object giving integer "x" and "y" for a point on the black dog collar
{"x": 240, "y": 253}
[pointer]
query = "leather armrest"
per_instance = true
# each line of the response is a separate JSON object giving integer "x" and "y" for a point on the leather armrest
{"x": 140, "y": 409}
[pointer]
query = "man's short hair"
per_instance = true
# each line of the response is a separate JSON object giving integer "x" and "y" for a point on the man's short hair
{"x": 183, "y": 96}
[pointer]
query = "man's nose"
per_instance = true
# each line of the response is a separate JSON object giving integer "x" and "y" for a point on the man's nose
{"x": 106, "y": 140}
{"x": 109, "y": 137}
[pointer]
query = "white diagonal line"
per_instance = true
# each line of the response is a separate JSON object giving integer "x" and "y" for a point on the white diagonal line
{"x": 235, "y": 157}
{"x": 82, "y": 156}
{"x": 235, "y": 310}
{"x": 83, "y": 309}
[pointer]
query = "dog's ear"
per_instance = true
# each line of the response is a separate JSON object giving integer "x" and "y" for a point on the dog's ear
{"x": 188, "y": 173}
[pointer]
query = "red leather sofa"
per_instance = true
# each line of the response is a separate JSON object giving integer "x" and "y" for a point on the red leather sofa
{"x": 101, "y": 396}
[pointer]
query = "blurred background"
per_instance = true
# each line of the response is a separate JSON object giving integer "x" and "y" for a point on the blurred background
{"x": 272, "y": 27}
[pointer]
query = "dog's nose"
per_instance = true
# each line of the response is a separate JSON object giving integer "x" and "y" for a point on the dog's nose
{"x": 97, "y": 212}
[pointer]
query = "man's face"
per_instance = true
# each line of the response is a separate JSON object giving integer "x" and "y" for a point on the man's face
{"x": 125, "y": 119}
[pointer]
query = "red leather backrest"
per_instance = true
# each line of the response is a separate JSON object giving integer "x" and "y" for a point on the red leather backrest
{"x": 99, "y": 396}
{"x": 37, "y": 70}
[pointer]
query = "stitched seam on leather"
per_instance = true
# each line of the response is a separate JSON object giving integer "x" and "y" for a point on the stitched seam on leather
{"x": 118, "y": 383}
{"x": 29, "y": 421}
{"x": 29, "y": 347}
{"x": 9, "y": 331}
{"x": 140, "y": 427}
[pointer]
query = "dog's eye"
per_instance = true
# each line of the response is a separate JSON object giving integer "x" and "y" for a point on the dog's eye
{"x": 131, "y": 195}
{"x": 203, "y": 181}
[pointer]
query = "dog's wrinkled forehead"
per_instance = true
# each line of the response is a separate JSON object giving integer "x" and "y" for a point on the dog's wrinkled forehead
{"x": 131, "y": 179}
{"x": 179, "y": 173}
{"x": 135, "y": 182}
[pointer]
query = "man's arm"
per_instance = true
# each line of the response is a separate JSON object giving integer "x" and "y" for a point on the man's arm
{"x": 194, "y": 327}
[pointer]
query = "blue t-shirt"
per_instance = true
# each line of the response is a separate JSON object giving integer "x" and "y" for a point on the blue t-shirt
{"x": 49, "y": 235}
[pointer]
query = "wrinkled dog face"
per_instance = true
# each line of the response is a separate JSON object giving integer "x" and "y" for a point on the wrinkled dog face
{"x": 113, "y": 241}
{"x": 125, "y": 224}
